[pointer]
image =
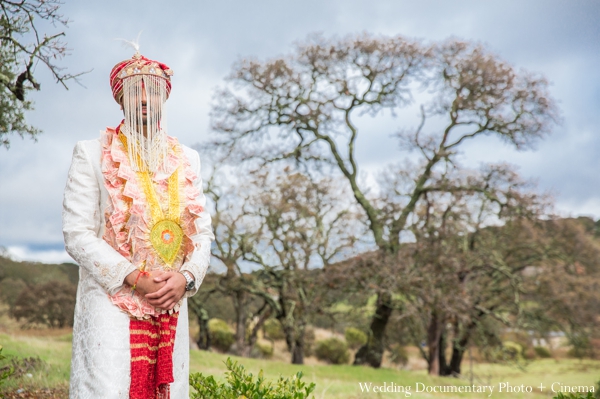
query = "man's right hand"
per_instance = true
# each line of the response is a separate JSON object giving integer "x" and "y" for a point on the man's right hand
{"x": 145, "y": 283}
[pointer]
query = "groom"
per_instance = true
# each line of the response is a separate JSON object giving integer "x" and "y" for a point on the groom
{"x": 134, "y": 221}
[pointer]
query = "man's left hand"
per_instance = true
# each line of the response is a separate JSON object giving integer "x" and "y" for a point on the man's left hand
{"x": 173, "y": 290}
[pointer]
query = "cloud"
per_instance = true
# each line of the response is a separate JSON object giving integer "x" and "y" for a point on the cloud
{"x": 201, "y": 40}
{"x": 23, "y": 253}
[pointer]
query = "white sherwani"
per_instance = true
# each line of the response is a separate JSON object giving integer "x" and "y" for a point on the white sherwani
{"x": 100, "y": 365}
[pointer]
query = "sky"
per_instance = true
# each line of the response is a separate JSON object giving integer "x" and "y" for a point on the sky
{"x": 201, "y": 40}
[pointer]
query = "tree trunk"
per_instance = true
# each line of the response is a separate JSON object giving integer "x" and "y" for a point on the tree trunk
{"x": 444, "y": 367}
{"x": 298, "y": 352}
{"x": 434, "y": 332}
{"x": 263, "y": 314}
{"x": 458, "y": 350}
{"x": 204, "y": 336}
{"x": 241, "y": 313}
{"x": 294, "y": 338}
{"x": 372, "y": 352}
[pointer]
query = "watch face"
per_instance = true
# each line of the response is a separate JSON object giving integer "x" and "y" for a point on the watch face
{"x": 190, "y": 283}
{"x": 190, "y": 286}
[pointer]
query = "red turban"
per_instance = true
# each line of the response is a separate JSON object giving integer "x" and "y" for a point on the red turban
{"x": 136, "y": 66}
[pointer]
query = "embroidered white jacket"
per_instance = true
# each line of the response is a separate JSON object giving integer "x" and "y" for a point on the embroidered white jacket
{"x": 101, "y": 354}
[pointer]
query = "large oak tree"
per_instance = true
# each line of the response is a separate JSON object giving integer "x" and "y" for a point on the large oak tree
{"x": 303, "y": 108}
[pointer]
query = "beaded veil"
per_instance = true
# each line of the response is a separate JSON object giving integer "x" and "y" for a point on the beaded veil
{"x": 130, "y": 79}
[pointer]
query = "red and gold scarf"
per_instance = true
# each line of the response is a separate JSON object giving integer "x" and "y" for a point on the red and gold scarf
{"x": 152, "y": 343}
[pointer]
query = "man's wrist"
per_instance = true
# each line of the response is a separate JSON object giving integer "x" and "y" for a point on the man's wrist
{"x": 131, "y": 277}
{"x": 190, "y": 281}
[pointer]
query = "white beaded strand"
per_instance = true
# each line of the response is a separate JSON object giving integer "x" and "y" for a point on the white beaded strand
{"x": 150, "y": 149}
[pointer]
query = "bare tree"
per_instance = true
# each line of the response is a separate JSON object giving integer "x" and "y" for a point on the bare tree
{"x": 488, "y": 255}
{"x": 274, "y": 230}
{"x": 236, "y": 235}
{"x": 470, "y": 252}
{"x": 302, "y": 107}
{"x": 304, "y": 228}
{"x": 22, "y": 48}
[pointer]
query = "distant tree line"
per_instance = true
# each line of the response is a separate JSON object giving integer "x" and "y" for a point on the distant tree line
{"x": 38, "y": 295}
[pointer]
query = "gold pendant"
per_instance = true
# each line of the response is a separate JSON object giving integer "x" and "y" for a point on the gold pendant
{"x": 166, "y": 237}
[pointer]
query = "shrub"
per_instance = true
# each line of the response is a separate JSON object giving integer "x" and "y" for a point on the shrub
{"x": 273, "y": 329}
{"x": 512, "y": 351}
{"x": 542, "y": 351}
{"x": 264, "y": 350}
{"x": 332, "y": 350}
{"x": 355, "y": 338}
{"x": 529, "y": 354}
{"x": 241, "y": 384}
{"x": 519, "y": 337}
{"x": 51, "y": 304}
{"x": 5, "y": 371}
{"x": 581, "y": 346}
{"x": 26, "y": 365}
{"x": 221, "y": 335}
{"x": 575, "y": 395}
{"x": 218, "y": 324}
{"x": 398, "y": 355}
{"x": 19, "y": 370}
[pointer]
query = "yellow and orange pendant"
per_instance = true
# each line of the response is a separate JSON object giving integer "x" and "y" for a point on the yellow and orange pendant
{"x": 166, "y": 237}
{"x": 166, "y": 234}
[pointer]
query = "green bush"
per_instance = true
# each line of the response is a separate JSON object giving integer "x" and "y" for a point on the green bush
{"x": 264, "y": 350}
{"x": 355, "y": 338}
{"x": 22, "y": 366}
{"x": 581, "y": 346}
{"x": 398, "y": 355}
{"x": 577, "y": 353}
{"x": 218, "y": 324}
{"x": 5, "y": 371}
{"x": 512, "y": 351}
{"x": 273, "y": 329}
{"x": 542, "y": 351}
{"x": 243, "y": 385}
{"x": 221, "y": 335}
{"x": 576, "y": 395}
{"x": 332, "y": 350}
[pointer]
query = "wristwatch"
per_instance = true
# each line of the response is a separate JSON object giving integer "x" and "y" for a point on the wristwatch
{"x": 190, "y": 283}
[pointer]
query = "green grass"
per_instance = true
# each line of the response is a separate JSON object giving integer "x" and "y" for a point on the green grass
{"x": 334, "y": 382}
{"x": 55, "y": 351}
{"x": 339, "y": 382}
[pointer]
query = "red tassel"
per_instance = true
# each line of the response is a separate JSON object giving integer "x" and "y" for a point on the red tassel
{"x": 152, "y": 342}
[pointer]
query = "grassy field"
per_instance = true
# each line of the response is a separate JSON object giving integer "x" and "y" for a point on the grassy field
{"x": 335, "y": 382}
{"x": 344, "y": 381}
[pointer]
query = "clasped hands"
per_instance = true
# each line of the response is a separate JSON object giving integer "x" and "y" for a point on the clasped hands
{"x": 162, "y": 289}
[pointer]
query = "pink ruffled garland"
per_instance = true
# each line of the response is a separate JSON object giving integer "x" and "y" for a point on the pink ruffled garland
{"x": 128, "y": 220}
